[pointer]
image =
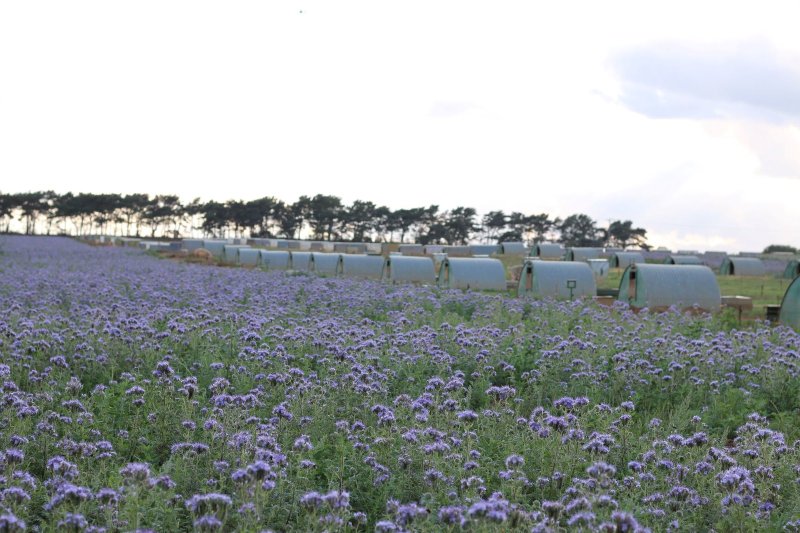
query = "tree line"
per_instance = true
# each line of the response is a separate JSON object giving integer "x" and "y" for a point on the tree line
{"x": 320, "y": 217}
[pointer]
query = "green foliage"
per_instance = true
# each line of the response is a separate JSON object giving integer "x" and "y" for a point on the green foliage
{"x": 780, "y": 248}
{"x": 580, "y": 230}
{"x": 623, "y": 234}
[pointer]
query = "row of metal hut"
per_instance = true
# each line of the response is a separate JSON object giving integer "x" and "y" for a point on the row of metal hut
{"x": 730, "y": 265}
{"x": 509, "y": 248}
{"x": 744, "y": 265}
{"x": 733, "y": 266}
{"x": 561, "y": 279}
{"x": 653, "y": 286}
{"x": 548, "y": 270}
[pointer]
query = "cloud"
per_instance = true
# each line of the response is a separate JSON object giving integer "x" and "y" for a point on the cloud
{"x": 442, "y": 109}
{"x": 740, "y": 80}
{"x": 777, "y": 147}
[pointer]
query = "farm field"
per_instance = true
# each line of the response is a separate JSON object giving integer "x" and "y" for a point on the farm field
{"x": 147, "y": 394}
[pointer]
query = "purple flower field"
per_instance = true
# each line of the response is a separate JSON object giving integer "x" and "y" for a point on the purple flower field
{"x": 143, "y": 394}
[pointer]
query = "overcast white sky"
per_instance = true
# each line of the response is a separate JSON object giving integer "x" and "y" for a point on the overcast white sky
{"x": 681, "y": 116}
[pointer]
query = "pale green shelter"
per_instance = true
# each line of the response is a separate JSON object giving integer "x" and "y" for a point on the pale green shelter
{"x": 790, "y": 306}
{"x": 659, "y": 287}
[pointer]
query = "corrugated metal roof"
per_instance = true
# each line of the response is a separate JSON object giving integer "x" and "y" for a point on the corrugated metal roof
{"x": 362, "y": 266}
{"x": 790, "y": 305}
{"x": 406, "y": 269}
{"x": 548, "y": 250}
{"x": 275, "y": 259}
{"x": 556, "y": 279}
{"x": 411, "y": 249}
{"x": 626, "y": 259}
{"x": 582, "y": 254}
{"x": 249, "y": 256}
{"x": 192, "y": 244}
{"x": 662, "y": 286}
{"x": 513, "y": 248}
{"x": 301, "y": 261}
{"x": 484, "y": 249}
{"x": 792, "y": 269}
{"x": 683, "y": 260}
{"x": 325, "y": 263}
{"x": 479, "y": 273}
{"x": 216, "y": 248}
{"x": 742, "y": 266}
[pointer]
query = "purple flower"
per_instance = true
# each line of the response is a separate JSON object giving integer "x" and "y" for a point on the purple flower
{"x": 407, "y": 513}
{"x": 513, "y": 461}
{"x": 386, "y": 526}
{"x": 14, "y": 495}
{"x": 467, "y": 416}
{"x": 208, "y": 523}
{"x": 11, "y": 524}
{"x": 311, "y": 499}
{"x": 107, "y": 496}
{"x": 73, "y": 522}
{"x": 211, "y": 502}
{"x": 584, "y": 518}
{"x": 162, "y": 482}
{"x": 625, "y": 522}
{"x": 303, "y": 443}
{"x": 601, "y": 469}
{"x": 136, "y": 472}
{"x": 501, "y": 393}
{"x": 452, "y": 515}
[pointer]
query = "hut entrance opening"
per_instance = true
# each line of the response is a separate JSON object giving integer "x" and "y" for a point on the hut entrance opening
{"x": 632, "y": 286}
{"x": 528, "y": 277}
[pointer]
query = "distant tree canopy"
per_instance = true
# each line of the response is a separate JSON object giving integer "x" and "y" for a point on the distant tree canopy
{"x": 623, "y": 234}
{"x": 581, "y": 230}
{"x": 780, "y": 248}
{"x": 319, "y": 217}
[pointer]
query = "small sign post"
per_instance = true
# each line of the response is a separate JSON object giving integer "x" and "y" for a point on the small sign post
{"x": 571, "y": 284}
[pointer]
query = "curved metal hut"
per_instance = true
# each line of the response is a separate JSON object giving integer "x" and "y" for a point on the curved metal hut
{"x": 405, "y": 269}
{"x": 742, "y": 266}
{"x": 548, "y": 250}
{"x": 362, "y": 266}
{"x": 683, "y": 260}
{"x": 484, "y": 249}
{"x": 790, "y": 305}
{"x": 582, "y": 254}
{"x": 551, "y": 279}
{"x": 230, "y": 252}
{"x": 217, "y": 248}
{"x": 660, "y": 286}
{"x": 431, "y": 249}
{"x": 513, "y": 248}
{"x": 792, "y": 269}
{"x": 457, "y": 251}
{"x": 626, "y": 259}
{"x": 481, "y": 273}
{"x": 411, "y": 249}
{"x": 326, "y": 264}
{"x": 249, "y": 256}
{"x": 350, "y": 247}
{"x": 192, "y": 244}
{"x": 276, "y": 259}
{"x": 301, "y": 261}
